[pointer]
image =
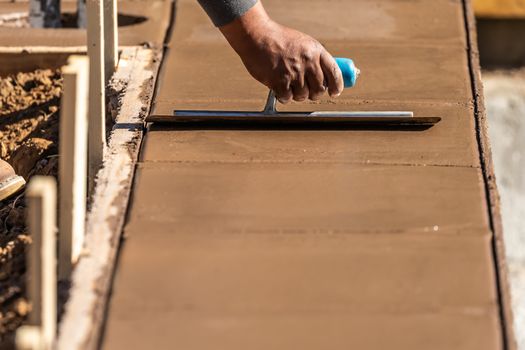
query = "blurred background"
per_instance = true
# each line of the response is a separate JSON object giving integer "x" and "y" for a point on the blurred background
{"x": 501, "y": 38}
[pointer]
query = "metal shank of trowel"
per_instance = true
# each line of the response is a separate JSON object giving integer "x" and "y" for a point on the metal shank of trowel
{"x": 270, "y": 109}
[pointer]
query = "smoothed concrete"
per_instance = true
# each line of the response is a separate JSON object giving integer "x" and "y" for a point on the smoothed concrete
{"x": 283, "y": 291}
{"x": 447, "y": 143}
{"x": 306, "y": 197}
{"x": 314, "y": 239}
{"x": 390, "y": 73}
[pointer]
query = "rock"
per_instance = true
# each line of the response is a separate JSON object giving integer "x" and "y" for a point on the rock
{"x": 28, "y": 154}
{"x": 22, "y": 307}
{"x": 16, "y": 217}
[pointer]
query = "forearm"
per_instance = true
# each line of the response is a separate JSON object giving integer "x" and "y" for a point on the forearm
{"x": 222, "y": 12}
{"x": 245, "y": 32}
{"x": 291, "y": 63}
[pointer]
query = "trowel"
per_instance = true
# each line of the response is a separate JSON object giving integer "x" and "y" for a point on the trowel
{"x": 270, "y": 113}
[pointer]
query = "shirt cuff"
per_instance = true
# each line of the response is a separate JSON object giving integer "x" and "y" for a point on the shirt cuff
{"x": 222, "y": 12}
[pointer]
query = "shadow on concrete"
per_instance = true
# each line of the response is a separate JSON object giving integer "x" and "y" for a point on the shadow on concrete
{"x": 272, "y": 126}
{"x": 69, "y": 20}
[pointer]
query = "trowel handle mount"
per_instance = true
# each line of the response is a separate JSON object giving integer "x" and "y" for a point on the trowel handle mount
{"x": 349, "y": 70}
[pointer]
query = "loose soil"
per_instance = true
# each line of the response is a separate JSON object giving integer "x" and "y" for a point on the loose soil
{"x": 29, "y": 104}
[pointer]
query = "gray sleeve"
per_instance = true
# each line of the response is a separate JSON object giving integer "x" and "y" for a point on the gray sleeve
{"x": 222, "y": 12}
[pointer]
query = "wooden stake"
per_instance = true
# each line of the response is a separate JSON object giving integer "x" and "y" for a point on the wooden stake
{"x": 42, "y": 282}
{"x": 73, "y": 163}
{"x": 97, "y": 96}
{"x": 29, "y": 338}
{"x": 111, "y": 37}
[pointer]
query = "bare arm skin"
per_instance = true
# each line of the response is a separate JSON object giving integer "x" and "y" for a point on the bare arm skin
{"x": 291, "y": 63}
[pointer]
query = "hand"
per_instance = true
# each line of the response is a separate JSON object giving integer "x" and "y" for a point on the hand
{"x": 291, "y": 63}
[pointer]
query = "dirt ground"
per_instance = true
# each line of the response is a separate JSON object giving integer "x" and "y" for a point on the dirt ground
{"x": 29, "y": 104}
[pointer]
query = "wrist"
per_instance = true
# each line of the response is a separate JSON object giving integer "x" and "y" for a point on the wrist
{"x": 247, "y": 32}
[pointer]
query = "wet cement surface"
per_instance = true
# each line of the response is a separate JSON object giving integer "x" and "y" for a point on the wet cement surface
{"x": 152, "y": 30}
{"x": 286, "y": 238}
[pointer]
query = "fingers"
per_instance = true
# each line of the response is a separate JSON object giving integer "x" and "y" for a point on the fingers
{"x": 332, "y": 74}
{"x": 308, "y": 77}
{"x": 306, "y": 83}
{"x": 292, "y": 85}
{"x": 315, "y": 78}
{"x": 282, "y": 89}
{"x": 300, "y": 89}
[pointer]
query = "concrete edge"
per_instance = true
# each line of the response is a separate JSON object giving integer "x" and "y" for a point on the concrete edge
{"x": 493, "y": 201}
{"x": 83, "y": 320}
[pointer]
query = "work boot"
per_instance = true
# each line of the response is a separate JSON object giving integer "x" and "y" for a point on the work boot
{"x": 10, "y": 183}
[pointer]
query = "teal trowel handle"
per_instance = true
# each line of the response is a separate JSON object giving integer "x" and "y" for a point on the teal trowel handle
{"x": 349, "y": 70}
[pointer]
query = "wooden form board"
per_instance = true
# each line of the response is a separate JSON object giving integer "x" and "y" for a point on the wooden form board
{"x": 152, "y": 19}
{"x": 500, "y": 8}
{"x": 81, "y": 324}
